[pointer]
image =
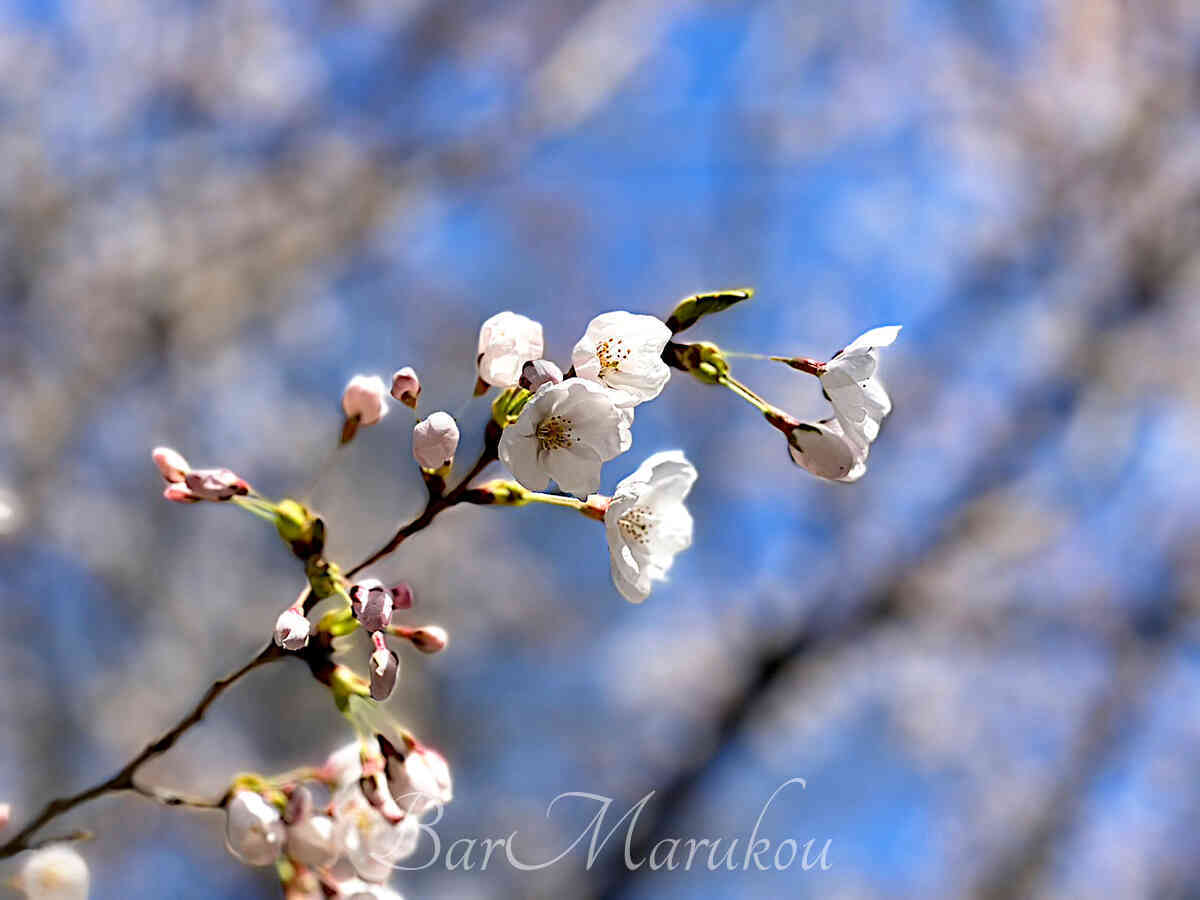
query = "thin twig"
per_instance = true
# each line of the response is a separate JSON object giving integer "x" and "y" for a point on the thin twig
{"x": 123, "y": 780}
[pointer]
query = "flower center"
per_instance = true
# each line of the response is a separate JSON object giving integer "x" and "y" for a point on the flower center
{"x": 612, "y": 352}
{"x": 555, "y": 433}
{"x": 636, "y": 525}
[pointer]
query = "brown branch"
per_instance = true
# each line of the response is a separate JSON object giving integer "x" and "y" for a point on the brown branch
{"x": 123, "y": 780}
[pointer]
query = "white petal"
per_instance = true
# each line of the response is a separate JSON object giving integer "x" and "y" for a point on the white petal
{"x": 883, "y": 336}
{"x": 518, "y": 451}
{"x": 577, "y": 469}
{"x": 824, "y": 450}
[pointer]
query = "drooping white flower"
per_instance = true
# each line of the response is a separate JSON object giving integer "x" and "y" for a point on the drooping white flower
{"x": 566, "y": 432}
{"x": 435, "y": 439}
{"x": 56, "y": 872}
{"x": 313, "y": 841}
{"x": 647, "y": 523}
{"x": 623, "y": 352}
{"x": 419, "y": 777}
{"x": 365, "y": 399}
{"x": 506, "y": 342}
{"x": 370, "y": 843}
{"x": 254, "y": 830}
{"x": 827, "y": 451}
{"x": 851, "y": 382}
{"x": 292, "y": 629}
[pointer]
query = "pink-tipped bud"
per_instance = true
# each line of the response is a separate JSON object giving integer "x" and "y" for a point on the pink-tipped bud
{"x": 385, "y": 670}
{"x": 427, "y": 638}
{"x": 406, "y": 387}
{"x": 539, "y": 372}
{"x": 365, "y": 399}
{"x": 215, "y": 484}
{"x": 402, "y": 596}
{"x": 179, "y": 493}
{"x": 171, "y": 464}
{"x": 5, "y": 815}
{"x": 292, "y": 629}
{"x": 299, "y": 806}
{"x": 372, "y": 604}
{"x": 434, "y": 441}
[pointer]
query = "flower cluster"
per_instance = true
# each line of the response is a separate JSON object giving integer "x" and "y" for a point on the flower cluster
{"x": 338, "y": 830}
{"x": 346, "y": 846}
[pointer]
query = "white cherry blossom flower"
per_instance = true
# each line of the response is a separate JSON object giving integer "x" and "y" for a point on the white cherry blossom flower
{"x": 623, "y": 352}
{"x": 566, "y": 432}
{"x": 827, "y": 451}
{"x": 56, "y": 872}
{"x": 506, "y": 342}
{"x": 850, "y": 382}
{"x": 647, "y": 523}
{"x": 419, "y": 777}
{"x": 370, "y": 843}
{"x": 254, "y": 830}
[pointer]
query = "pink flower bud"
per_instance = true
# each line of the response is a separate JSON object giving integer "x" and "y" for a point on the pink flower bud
{"x": 434, "y": 441}
{"x": 215, "y": 484}
{"x": 427, "y": 639}
{"x": 406, "y": 387}
{"x": 538, "y": 372}
{"x": 5, "y": 815}
{"x": 292, "y": 629}
{"x": 372, "y": 604}
{"x": 180, "y": 494}
{"x": 385, "y": 669}
{"x": 364, "y": 399}
{"x": 402, "y": 596}
{"x": 171, "y": 464}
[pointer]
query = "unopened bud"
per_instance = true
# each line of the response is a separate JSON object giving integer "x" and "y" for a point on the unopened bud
{"x": 385, "y": 670}
{"x": 539, "y": 372}
{"x": 299, "y": 805}
{"x": 5, "y": 815}
{"x": 313, "y": 841}
{"x": 703, "y": 360}
{"x": 180, "y": 494}
{"x": 435, "y": 439}
{"x": 402, "y": 596}
{"x": 372, "y": 604}
{"x": 692, "y": 309}
{"x": 427, "y": 638}
{"x": 364, "y": 401}
{"x": 215, "y": 484}
{"x": 406, "y": 387}
{"x": 171, "y": 464}
{"x": 292, "y": 629}
{"x": 254, "y": 831}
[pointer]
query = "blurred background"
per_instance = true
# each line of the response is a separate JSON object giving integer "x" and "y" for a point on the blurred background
{"x": 983, "y": 658}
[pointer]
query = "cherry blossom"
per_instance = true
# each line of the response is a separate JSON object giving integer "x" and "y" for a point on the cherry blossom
{"x": 56, "y": 872}
{"x": 851, "y": 383}
{"x": 623, "y": 352}
{"x": 254, "y": 830}
{"x": 647, "y": 523}
{"x": 506, "y": 342}
{"x": 827, "y": 451}
{"x": 566, "y": 432}
{"x": 365, "y": 399}
{"x": 434, "y": 441}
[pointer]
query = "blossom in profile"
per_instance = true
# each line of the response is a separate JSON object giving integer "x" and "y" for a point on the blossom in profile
{"x": 254, "y": 830}
{"x": 566, "y": 432}
{"x": 506, "y": 342}
{"x": 56, "y": 872}
{"x": 419, "y": 776}
{"x": 623, "y": 352}
{"x": 647, "y": 523}
{"x": 171, "y": 464}
{"x": 364, "y": 400}
{"x": 826, "y": 450}
{"x": 368, "y": 841}
{"x": 851, "y": 382}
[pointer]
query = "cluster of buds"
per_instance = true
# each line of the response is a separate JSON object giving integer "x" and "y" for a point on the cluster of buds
{"x": 379, "y": 789}
{"x": 372, "y": 604}
{"x": 188, "y": 485}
